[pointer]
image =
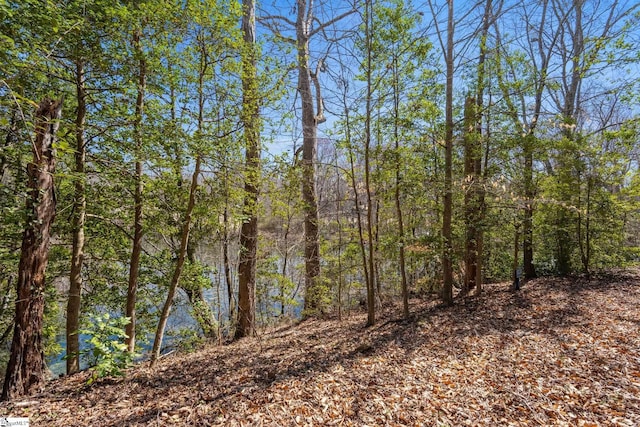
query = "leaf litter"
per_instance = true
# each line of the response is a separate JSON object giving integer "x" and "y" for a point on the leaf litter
{"x": 561, "y": 351}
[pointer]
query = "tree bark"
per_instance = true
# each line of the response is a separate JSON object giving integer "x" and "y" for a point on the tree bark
{"x": 398, "y": 190}
{"x": 312, "y": 300}
{"x": 226, "y": 263}
{"x": 8, "y": 142}
{"x": 447, "y": 255}
{"x": 79, "y": 215}
{"x": 177, "y": 272}
{"x": 356, "y": 197}
{"x": 249, "y": 229}
{"x": 471, "y": 211}
{"x": 529, "y": 269}
{"x": 201, "y": 311}
{"x": 26, "y": 368}
{"x": 516, "y": 246}
{"x": 134, "y": 265}
{"x": 371, "y": 282}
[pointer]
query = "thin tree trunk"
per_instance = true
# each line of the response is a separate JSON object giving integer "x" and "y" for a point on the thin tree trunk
{"x": 249, "y": 229}
{"x": 447, "y": 255}
{"x": 371, "y": 287}
{"x": 182, "y": 252}
{"x": 585, "y": 242}
{"x": 478, "y": 192}
{"x": 79, "y": 214}
{"x": 397, "y": 193}
{"x": 529, "y": 194}
{"x": 285, "y": 261}
{"x": 470, "y": 211}
{"x": 536, "y": 40}
{"x": 136, "y": 251}
{"x": 339, "y": 224}
{"x": 516, "y": 246}
{"x": 8, "y": 142}
{"x": 226, "y": 260}
{"x": 354, "y": 187}
{"x": 26, "y": 368}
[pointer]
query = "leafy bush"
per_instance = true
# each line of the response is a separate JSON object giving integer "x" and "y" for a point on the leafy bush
{"x": 107, "y": 353}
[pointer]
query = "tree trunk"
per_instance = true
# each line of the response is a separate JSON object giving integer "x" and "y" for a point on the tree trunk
{"x": 516, "y": 246}
{"x": 398, "y": 191}
{"x": 226, "y": 263}
{"x": 470, "y": 199}
{"x": 565, "y": 244}
{"x": 356, "y": 197}
{"x": 134, "y": 266}
{"x": 201, "y": 311}
{"x": 340, "y": 239}
{"x": 182, "y": 252}
{"x": 249, "y": 230}
{"x": 529, "y": 194}
{"x": 371, "y": 283}
{"x": 8, "y": 142}
{"x": 312, "y": 300}
{"x": 79, "y": 214}
{"x": 26, "y": 368}
{"x": 478, "y": 209}
{"x": 447, "y": 255}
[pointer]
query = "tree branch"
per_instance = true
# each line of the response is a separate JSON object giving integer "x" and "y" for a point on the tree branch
{"x": 331, "y": 22}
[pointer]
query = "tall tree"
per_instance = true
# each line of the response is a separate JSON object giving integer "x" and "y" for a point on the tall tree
{"x": 310, "y": 120}
{"x": 371, "y": 282}
{"x": 78, "y": 224}
{"x": 471, "y": 175}
{"x": 182, "y": 255}
{"x": 473, "y": 170}
{"x": 136, "y": 251}
{"x": 251, "y": 121}
{"x": 306, "y": 26}
{"x": 447, "y": 214}
{"x": 26, "y": 369}
{"x": 540, "y": 44}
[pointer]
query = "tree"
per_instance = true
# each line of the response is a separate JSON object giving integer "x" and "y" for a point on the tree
{"x": 368, "y": 66}
{"x": 78, "y": 222}
{"x": 540, "y": 44}
{"x": 249, "y": 229}
{"x": 447, "y": 215}
{"x": 136, "y": 250}
{"x": 26, "y": 368}
{"x": 182, "y": 254}
{"x": 306, "y": 26}
{"x": 82, "y": 57}
{"x": 473, "y": 170}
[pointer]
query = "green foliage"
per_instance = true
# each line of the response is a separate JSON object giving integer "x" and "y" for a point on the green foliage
{"x": 274, "y": 292}
{"x": 186, "y": 339}
{"x": 107, "y": 354}
{"x": 320, "y": 297}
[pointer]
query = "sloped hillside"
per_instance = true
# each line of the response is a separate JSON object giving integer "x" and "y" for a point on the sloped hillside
{"x": 559, "y": 352}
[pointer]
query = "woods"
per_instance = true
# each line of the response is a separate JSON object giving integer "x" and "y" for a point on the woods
{"x": 223, "y": 166}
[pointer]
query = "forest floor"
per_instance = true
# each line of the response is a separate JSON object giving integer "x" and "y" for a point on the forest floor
{"x": 558, "y": 352}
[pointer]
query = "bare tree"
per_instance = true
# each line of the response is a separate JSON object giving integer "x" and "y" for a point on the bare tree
{"x": 307, "y": 25}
